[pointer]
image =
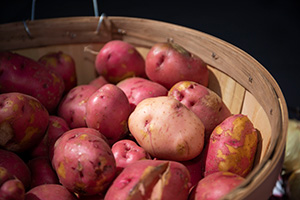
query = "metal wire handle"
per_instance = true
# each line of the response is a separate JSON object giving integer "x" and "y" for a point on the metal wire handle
{"x": 95, "y": 5}
{"x": 96, "y": 13}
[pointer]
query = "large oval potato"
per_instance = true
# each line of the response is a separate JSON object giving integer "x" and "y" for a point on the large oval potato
{"x": 232, "y": 146}
{"x": 168, "y": 63}
{"x": 24, "y": 75}
{"x": 118, "y": 60}
{"x": 84, "y": 161}
{"x": 107, "y": 110}
{"x": 167, "y": 129}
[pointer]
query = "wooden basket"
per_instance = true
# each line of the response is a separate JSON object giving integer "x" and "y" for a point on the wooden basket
{"x": 244, "y": 84}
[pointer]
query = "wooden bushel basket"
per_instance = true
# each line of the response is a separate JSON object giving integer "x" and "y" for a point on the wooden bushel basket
{"x": 244, "y": 84}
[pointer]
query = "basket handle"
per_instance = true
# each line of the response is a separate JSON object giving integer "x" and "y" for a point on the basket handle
{"x": 96, "y": 13}
{"x": 95, "y": 5}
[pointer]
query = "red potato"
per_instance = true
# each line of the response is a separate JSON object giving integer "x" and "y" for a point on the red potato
{"x": 22, "y": 74}
{"x": 84, "y": 161}
{"x": 232, "y": 146}
{"x": 12, "y": 189}
{"x": 126, "y": 152}
{"x": 215, "y": 186}
{"x": 4, "y": 175}
{"x": 195, "y": 167}
{"x": 205, "y": 103}
{"x": 64, "y": 65}
{"x": 118, "y": 60}
{"x": 107, "y": 110}
{"x": 169, "y": 63}
{"x": 151, "y": 179}
{"x": 41, "y": 172}
{"x": 167, "y": 129}
{"x": 15, "y": 166}
{"x": 72, "y": 108}
{"x": 49, "y": 192}
{"x": 98, "y": 82}
{"x": 23, "y": 121}
{"x": 138, "y": 89}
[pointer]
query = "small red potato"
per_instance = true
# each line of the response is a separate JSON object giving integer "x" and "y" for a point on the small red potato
{"x": 64, "y": 65}
{"x": 72, "y": 108}
{"x": 22, "y": 74}
{"x": 84, "y": 161}
{"x": 41, "y": 172}
{"x": 118, "y": 60}
{"x": 126, "y": 152}
{"x": 205, "y": 103}
{"x": 23, "y": 121}
{"x": 12, "y": 189}
{"x": 49, "y": 192}
{"x": 167, "y": 129}
{"x": 215, "y": 186}
{"x": 138, "y": 89}
{"x": 169, "y": 63}
{"x": 98, "y": 82}
{"x": 15, "y": 166}
{"x": 232, "y": 146}
{"x": 107, "y": 110}
{"x": 151, "y": 179}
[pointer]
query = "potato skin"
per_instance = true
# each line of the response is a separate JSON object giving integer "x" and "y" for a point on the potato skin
{"x": 32, "y": 79}
{"x": 118, "y": 60}
{"x": 12, "y": 189}
{"x": 83, "y": 161}
{"x": 169, "y": 63}
{"x": 151, "y": 179}
{"x": 232, "y": 146}
{"x": 64, "y": 65}
{"x": 107, "y": 110}
{"x": 126, "y": 152}
{"x": 215, "y": 186}
{"x": 167, "y": 129}
{"x": 98, "y": 82}
{"x": 23, "y": 121}
{"x": 138, "y": 89}
{"x": 15, "y": 166}
{"x": 41, "y": 172}
{"x": 56, "y": 127}
{"x": 205, "y": 103}
{"x": 72, "y": 107}
{"x": 49, "y": 192}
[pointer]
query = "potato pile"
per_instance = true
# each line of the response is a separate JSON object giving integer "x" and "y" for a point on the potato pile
{"x": 145, "y": 128}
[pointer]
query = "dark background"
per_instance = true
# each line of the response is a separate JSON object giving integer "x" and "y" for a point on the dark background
{"x": 267, "y": 30}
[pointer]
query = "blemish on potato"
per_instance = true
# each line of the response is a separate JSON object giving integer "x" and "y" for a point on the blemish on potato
{"x": 29, "y": 132}
{"x": 61, "y": 170}
{"x": 56, "y": 124}
{"x": 56, "y": 80}
{"x": 83, "y": 136}
{"x": 15, "y": 107}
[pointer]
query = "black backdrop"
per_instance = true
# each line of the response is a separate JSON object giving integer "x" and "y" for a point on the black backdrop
{"x": 267, "y": 30}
